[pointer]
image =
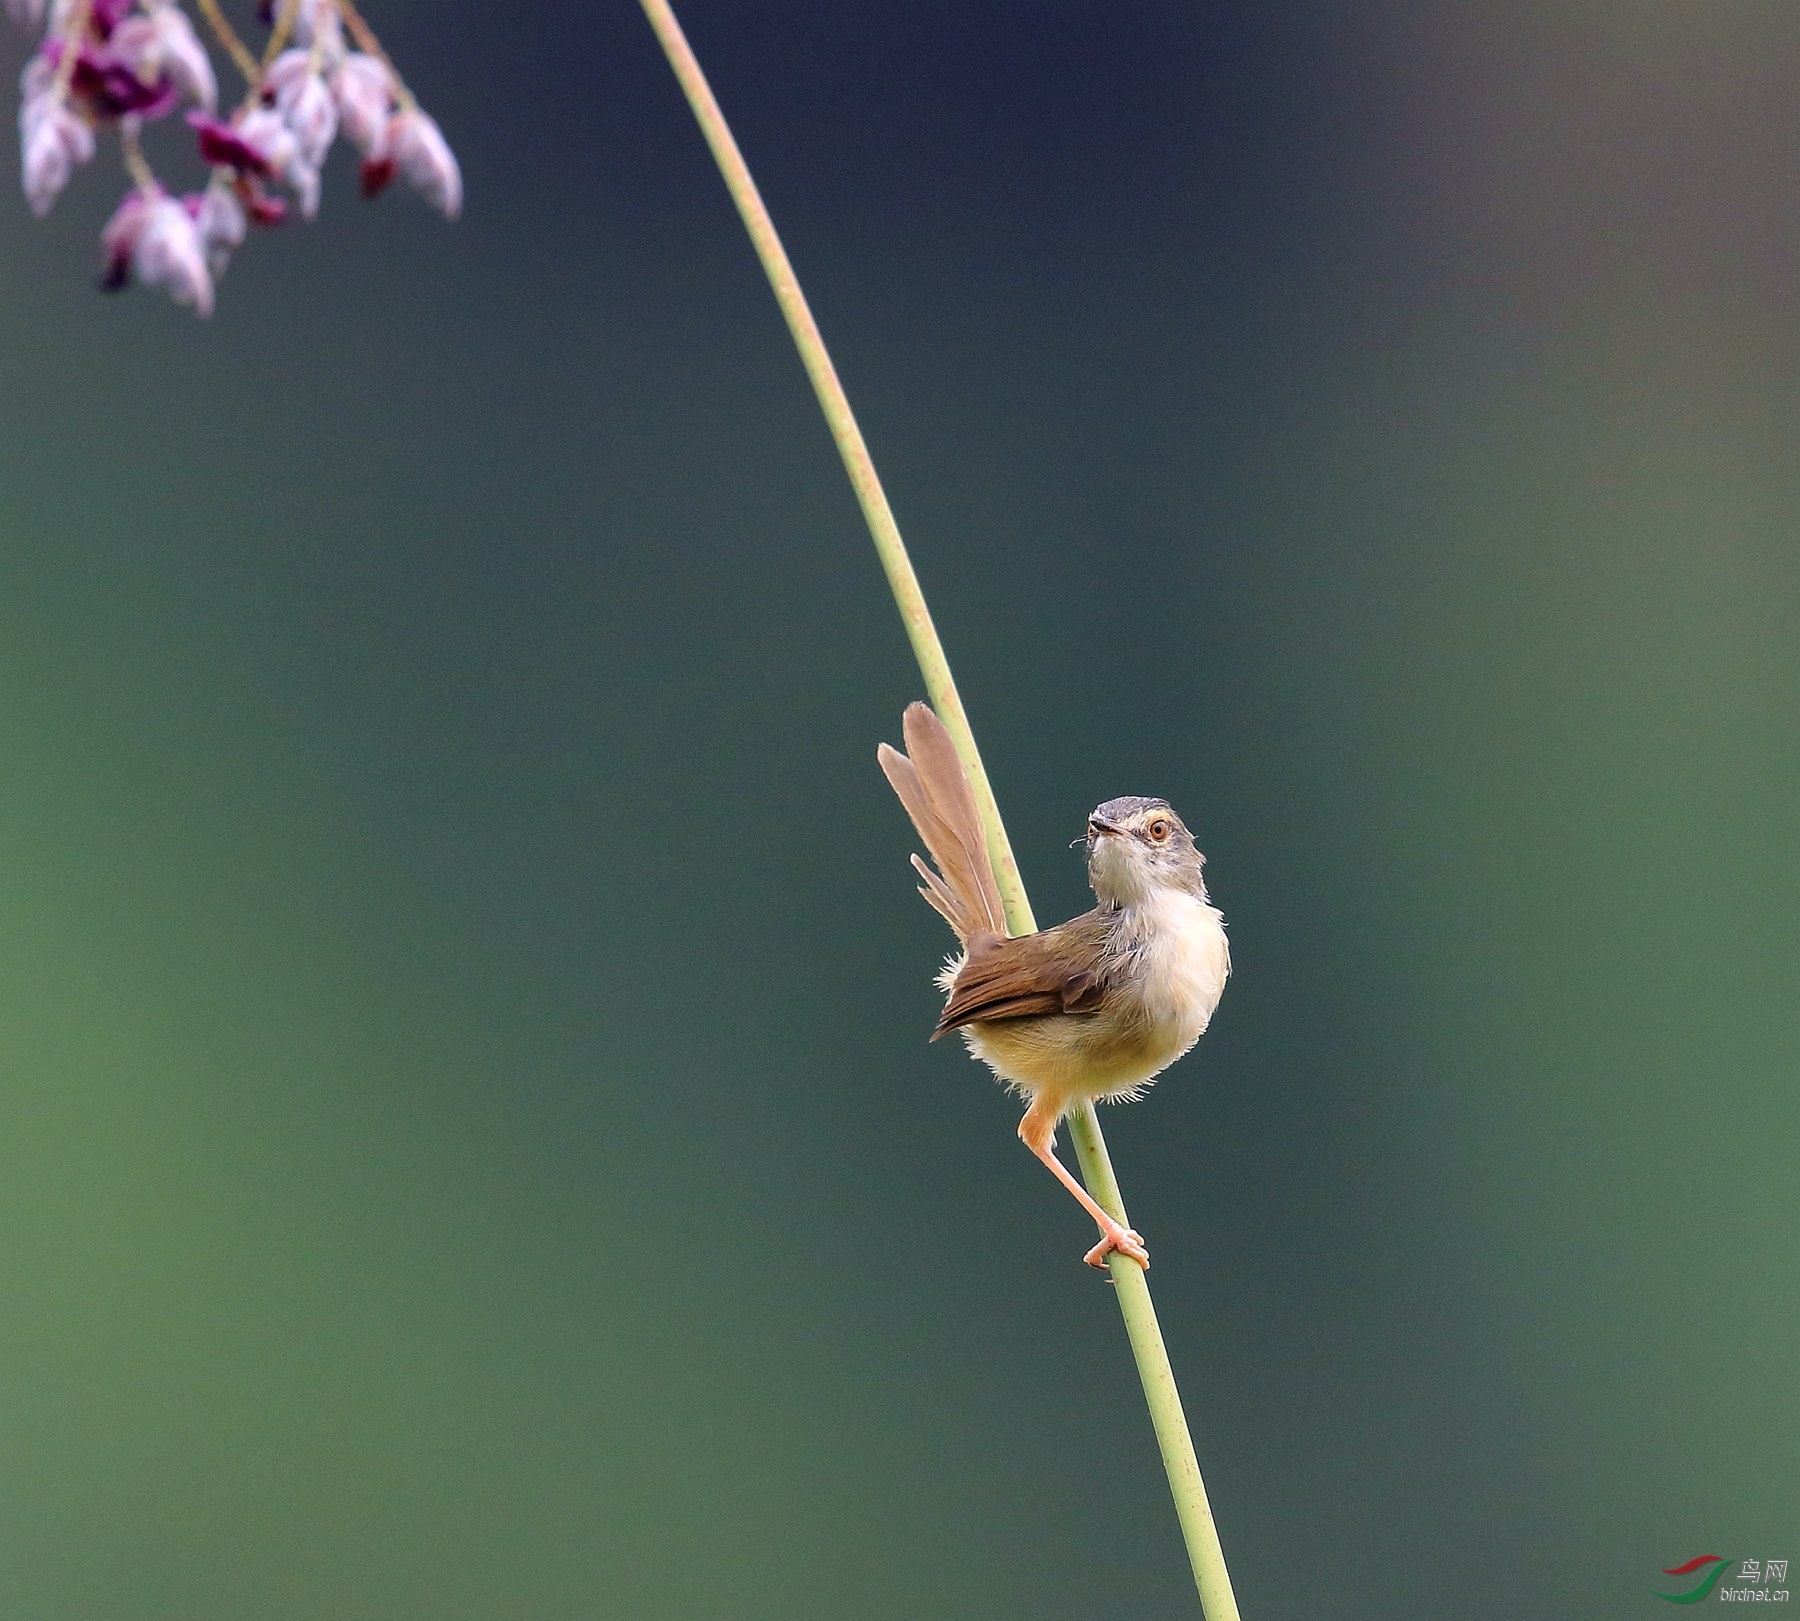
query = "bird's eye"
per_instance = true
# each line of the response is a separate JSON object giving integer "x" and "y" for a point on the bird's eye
{"x": 1159, "y": 830}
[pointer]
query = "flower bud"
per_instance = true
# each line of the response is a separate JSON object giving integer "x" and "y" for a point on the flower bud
{"x": 219, "y": 218}
{"x": 305, "y": 105}
{"x": 183, "y": 57}
{"x": 364, "y": 91}
{"x": 425, "y": 158}
{"x": 170, "y": 254}
{"x": 52, "y": 140}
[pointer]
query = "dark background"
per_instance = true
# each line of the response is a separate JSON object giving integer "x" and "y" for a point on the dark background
{"x": 467, "y": 1140}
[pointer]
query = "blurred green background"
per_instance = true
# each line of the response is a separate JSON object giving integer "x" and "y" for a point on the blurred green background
{"x": 467, "y": 1140}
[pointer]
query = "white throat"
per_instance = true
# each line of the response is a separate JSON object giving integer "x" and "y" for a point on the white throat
{"x": 1119, "y": 874}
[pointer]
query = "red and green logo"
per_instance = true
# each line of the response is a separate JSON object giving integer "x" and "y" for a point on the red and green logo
{"x": 1707, "y": 1582}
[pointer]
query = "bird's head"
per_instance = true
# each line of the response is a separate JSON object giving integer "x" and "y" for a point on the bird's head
{"x": 1136, "y": 846}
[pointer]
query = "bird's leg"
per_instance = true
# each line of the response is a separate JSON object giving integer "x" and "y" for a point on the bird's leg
{"x": 1037, "y": 1131}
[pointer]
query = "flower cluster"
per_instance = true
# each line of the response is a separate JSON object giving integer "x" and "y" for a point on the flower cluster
{"x": 116, "y": 65}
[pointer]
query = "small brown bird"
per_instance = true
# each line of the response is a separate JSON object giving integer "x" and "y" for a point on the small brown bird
{"x": 1094, "y": 1008}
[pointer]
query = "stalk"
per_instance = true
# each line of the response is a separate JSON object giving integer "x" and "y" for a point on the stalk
{"x": 230, "y": 43}
{"x": 1131, "y": 1287}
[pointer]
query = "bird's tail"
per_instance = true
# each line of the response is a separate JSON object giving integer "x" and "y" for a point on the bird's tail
{"x": 934, "y": 788}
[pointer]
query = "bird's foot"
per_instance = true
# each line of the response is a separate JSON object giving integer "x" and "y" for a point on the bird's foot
{"x": 1122, "y": 1239}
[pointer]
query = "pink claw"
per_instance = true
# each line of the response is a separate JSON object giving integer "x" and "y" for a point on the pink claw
{"x": 1122, "y": 1239}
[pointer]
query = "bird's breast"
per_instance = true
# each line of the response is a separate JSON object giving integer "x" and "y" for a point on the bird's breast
{"x": 1171, "y": 948}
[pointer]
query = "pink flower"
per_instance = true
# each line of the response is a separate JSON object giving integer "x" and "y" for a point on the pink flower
{"x": 218, "y": 216}
{"x": 425, "y": 158}
{"x": 224, "y": 145}
{"x": 364, "y": 91}
{"x": 161, "y": 242}
{"x": 160, "y": 44}
{"x": 110, "y": 88}
{"x": 264, "y": 130}
{"x": 305, "y": 105}
{"x": 156, "y": 240}
{"x": 258, "y": 146}
{"x": 53, "y": 138}
{"x": 142, "y": 66}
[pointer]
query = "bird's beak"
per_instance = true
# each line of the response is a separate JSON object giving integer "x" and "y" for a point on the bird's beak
{"x": 1098, "y": 827}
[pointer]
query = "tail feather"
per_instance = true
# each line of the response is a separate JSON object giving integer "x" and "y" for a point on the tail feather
{"x": 939, "y": 894}
{"x": 934, "y": 788}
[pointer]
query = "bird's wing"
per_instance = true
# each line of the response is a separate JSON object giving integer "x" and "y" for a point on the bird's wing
{"x": 1057, "y": 970}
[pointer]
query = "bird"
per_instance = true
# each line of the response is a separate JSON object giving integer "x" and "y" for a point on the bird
{"x": 1092, "y": 1009}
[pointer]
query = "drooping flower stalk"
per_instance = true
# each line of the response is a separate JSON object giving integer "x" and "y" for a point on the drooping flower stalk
{"x": 75, "y": 27}
{"x": 249, "y": 70}
{"x": 366, "y": 42}
{"x": 287, "y": 14}
{"x": 1211, "y": 1577}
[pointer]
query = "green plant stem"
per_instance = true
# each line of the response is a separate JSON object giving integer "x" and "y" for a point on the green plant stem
{"x": 1133, "y": 1290}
